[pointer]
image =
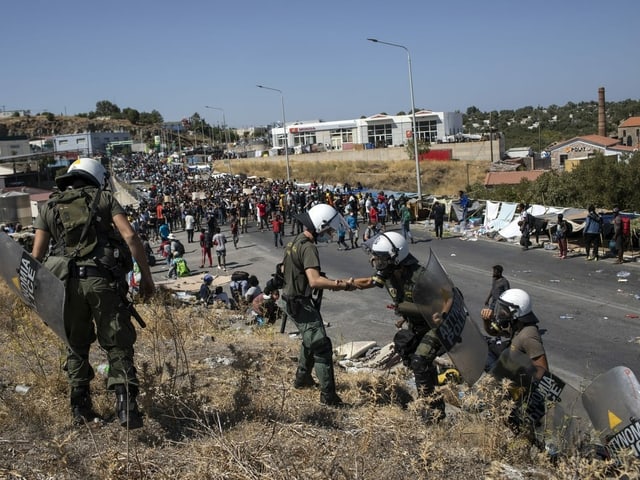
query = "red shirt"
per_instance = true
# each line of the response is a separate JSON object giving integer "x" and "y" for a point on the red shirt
{"x": 276, "y": 225}
{"x": 373, "y": 215}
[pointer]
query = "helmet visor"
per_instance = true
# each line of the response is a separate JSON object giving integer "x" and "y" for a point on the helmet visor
{"x": 329, "y": 226}
{"x": 505, "y": 311}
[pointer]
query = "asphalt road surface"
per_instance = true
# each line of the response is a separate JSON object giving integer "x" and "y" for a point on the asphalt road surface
{"x": 588, "y": 311}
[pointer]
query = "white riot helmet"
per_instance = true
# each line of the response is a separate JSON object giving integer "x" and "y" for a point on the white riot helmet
{"x": 87, "y": 168}
{"x": 321, "y": 219}
{"x": 515, "y": 301}
{"x": 390, "y": 246}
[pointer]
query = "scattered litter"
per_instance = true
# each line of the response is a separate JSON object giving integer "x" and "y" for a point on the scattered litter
{"x": 634, "y": 340}
{"x": 622, "y": 280}
{"x": 103, "y": 369}
{"x": 632, "y": 315}
{"x": 637, "y": 296}
{"x": 211, "y": 362}
{"x": 605, "y": 318}
{"x": 566, "y": 317}
{"x": 554, "y": 281}
{"x": 22, "y": 389}
{"x": 453, "y": 254}
{"x": 623, "y": 274}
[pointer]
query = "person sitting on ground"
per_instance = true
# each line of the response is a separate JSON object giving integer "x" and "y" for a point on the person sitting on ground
{"x": 254, "y": 289}
{"x": 204, "y": 295}
{"x": 220, "y": 296}
{"x": 264, "y": 308}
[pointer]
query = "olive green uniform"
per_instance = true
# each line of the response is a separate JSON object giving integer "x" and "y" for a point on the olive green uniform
{"x": 94, "y": 308}
{"x": 424, "y": 346}
{"x": 316, "y": 351}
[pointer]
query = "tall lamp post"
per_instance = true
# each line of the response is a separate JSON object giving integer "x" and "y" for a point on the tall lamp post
{"x": 413, "y": 114}
{"x": 224, "y": 123}
{"x": 284, "y": 126}
{"x": 226, "y": 132}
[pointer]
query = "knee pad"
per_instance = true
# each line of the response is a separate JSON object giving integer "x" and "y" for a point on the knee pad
{"x": 419, "y": 364}
{"x": 322, "y": 349}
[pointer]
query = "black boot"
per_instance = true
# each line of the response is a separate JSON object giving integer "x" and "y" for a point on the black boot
{"x": 426, "y": 385}
{"x": 127, "y": 408}
{"x": 304, "y": 380}
{"x": 331, "y": 399}
{"x": 81, "y": 406}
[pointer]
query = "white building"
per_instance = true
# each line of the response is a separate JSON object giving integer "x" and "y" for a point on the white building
{"x": 377, "y": 131}
{"x": 14, "y": 146}
{"x": 87, "y": 144}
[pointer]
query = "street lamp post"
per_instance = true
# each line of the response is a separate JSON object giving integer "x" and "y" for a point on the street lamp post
{"x": 284, "y": 126}
{"x": 413, "y": 114}
{"x": 226, "y": 137}
{"x": 224, "y": 124}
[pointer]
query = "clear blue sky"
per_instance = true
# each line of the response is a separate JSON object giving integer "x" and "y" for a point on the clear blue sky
{"x": 178, "y": 56}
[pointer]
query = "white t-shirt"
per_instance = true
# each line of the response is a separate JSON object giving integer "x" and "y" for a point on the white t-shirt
{"x": 189, "y": 222}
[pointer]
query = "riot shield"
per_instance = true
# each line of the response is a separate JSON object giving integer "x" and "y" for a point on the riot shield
{"x": 40, "y": 289}
{"x": 551, "y": 407}
{"x": 442, "y": 306}
{"x": 613, "y": 403}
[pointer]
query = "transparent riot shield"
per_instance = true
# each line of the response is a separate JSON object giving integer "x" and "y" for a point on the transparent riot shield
{"x": 37, "y": 287}
{"x": 442, "y": 306}
{"x": 613, "y": 403}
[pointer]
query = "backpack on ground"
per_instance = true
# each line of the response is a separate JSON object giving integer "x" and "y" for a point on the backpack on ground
{"x": 239, "y": 276}
{"x": 182, "y": 269}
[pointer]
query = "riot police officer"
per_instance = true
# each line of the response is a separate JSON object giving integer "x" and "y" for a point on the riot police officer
{"x": 398, "y": 272}
{"x": 302, "y": 294}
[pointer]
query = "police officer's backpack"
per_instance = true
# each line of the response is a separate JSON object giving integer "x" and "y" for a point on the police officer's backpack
{"x": 72, "y": 209}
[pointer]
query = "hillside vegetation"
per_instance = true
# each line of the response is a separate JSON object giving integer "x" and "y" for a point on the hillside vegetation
{"x": 219, "y": 404}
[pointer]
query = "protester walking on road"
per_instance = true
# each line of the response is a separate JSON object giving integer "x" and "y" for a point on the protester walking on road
{"x": 591, "y": 233}
{"x": 562, "y": 230}
{"x": 220, "y": 246}
{"x": 618, "y": 235}
{"x": 206, "y": 244}
{"x": 405, "y": 220}
{"x": 437, "y": 213}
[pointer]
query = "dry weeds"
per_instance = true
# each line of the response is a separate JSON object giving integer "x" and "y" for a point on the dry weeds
{"x": 219, "y": 404}
{"x": 439, "y": 178}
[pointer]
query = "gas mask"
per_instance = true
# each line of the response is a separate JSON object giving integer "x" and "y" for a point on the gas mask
{"x": 504, "y": 316}
{"x": 383, "y": 265}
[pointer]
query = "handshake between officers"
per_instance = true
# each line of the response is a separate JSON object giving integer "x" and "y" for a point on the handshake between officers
{"x": 302, "y": 283}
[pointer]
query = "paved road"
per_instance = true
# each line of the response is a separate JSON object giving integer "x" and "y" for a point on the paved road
{"x": 599, "y": 333}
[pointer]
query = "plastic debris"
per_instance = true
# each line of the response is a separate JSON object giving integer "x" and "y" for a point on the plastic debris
{"x": 566, "y": 316}
{"x": 632, "y": 315}
{"x": 623, "y": 274}
{"x": 554, "y": 281}
{"x": 22, "y": 389}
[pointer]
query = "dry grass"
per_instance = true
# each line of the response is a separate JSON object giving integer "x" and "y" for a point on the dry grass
{"x": 219, "y": 405}
{"x": 439, "y": 178}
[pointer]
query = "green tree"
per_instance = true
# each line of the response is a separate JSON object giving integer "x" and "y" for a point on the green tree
{"x": 131, "y": 114}
{"x": 105, "y": 108}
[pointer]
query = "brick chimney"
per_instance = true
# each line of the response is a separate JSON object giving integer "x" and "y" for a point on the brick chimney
{"x": 602, "y": 116}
